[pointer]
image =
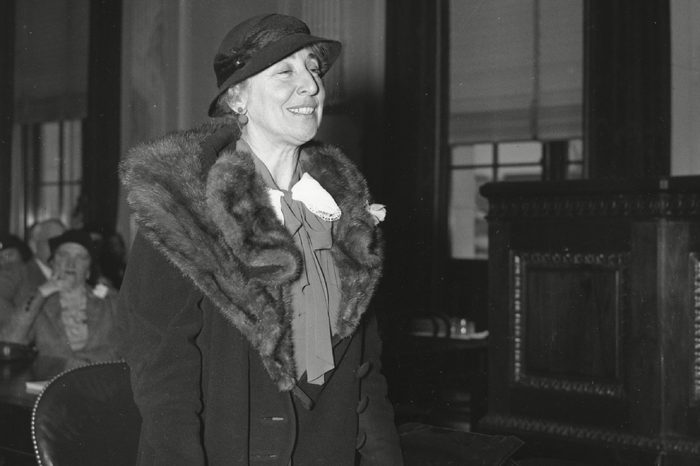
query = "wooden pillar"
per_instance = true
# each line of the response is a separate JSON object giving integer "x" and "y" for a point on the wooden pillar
{"x": 7, "y": 36}
{"x": 414, "y": 159}
{"x": 627, "y": 81}
{"x": 101, "y": 149}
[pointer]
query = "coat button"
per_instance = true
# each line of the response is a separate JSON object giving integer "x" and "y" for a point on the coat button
{"x": 362, "y": 404}
{"x": 361, "y": 439}
{"x": 273, "y": 419}
{"x": 363, "y": 369}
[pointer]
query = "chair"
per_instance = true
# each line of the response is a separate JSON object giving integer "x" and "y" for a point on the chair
{"x": 87, "y": 416}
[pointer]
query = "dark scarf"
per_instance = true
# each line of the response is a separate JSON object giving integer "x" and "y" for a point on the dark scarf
{"x": 201, "y": 203}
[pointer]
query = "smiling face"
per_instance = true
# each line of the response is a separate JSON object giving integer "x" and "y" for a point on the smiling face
{"x": 71, "y": 264}
{"x": 285, "y": 101}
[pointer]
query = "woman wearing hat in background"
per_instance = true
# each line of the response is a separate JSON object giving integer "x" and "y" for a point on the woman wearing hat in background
{"x": 245, "y": 296}
{"x": 66, "y": 317}
{"x": 13, "y": 252}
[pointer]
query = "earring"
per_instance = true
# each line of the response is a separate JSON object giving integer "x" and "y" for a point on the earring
{"x": 241, "y": 115}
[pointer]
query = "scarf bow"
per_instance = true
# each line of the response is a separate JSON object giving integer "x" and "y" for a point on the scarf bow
{"x": 309, "y": 192}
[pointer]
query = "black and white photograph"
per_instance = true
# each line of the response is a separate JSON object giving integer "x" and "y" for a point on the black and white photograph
{"x": 350, "y": 232}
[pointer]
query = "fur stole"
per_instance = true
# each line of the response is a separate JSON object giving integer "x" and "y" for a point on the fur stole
{"x": 201, "y": 203}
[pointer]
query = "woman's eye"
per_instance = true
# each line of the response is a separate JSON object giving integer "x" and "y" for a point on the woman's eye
{"x": 314, "y": 67}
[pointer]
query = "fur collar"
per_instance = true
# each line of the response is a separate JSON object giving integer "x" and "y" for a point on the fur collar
{"x": 200, "y": 202}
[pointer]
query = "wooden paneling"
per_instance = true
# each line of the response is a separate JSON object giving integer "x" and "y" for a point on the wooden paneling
{"x": 569, "y": 303}
{"x": 594, "y": 309}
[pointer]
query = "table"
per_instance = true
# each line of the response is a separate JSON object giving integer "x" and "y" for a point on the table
{"x": 440, "y": 381}
{"x": 16, "y": 405}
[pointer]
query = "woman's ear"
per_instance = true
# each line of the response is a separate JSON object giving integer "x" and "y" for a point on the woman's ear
{"x": 230, "y": 98}
{"x": 236, "y": 98}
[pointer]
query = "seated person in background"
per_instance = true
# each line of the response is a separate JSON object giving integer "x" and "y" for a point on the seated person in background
{"x": 66, "y": 317}
{"x": 13, "y": 251}
{"x": 20, "y": 283}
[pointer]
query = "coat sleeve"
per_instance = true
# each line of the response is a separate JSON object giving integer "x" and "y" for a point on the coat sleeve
{"x": 103, "y": 347}
{"x": 19, "y": 327}
{"x": 378, "y": 439}
{"x": 159, "y": 318}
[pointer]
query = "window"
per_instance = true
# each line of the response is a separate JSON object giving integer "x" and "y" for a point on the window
{"x": 472, "y": 165}
{"x": 49, "y": 155}
{"x": 516, "y": 104}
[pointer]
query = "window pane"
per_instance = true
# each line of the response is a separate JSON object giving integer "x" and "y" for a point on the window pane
{"x": 467, "y": 212}
{"x": 574, "y": 172}
{"x": 520, "y": 152}
{"x": 72, "y": 150}
{"x": 483, "y": 154}
{"x": 472, "y": 154}
{"x": 50, "y": 153}
{"x": 574, "y": 169}
{"x": 472, "y": 166}
{"x": 48, "y": 202}
{"x": 531, "y": 173}
{"x": 51, "y": 176}
{"x": 576, "y": 150}
{"x": 70, "y": 201}
{"x": 481, "y": 240}
{"x": 463, "y": 155}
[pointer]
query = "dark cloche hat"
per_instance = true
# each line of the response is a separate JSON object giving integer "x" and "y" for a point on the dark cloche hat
{"x": 80, "y": 237}
{"x": 260, "y": 42}
{"x": 9, "y": 241}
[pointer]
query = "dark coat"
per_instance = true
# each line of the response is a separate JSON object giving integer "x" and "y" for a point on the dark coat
{"x": 41, "y": 325}
{"x": 17, "y": 284}
{"x": 207, "y": 317}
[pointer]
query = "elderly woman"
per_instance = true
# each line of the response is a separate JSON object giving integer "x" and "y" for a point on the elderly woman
{"x": 66, "y": 317}
{"x": 246, "y": 290}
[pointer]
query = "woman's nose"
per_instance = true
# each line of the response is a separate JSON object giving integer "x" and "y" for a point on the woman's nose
{"x": 308, "y": 83}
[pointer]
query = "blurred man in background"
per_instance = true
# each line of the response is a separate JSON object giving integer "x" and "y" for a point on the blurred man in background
{"x": 18, "y": 283}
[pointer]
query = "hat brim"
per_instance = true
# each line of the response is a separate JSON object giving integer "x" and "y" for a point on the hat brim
{"x": 270, "y": 55}
{"x": 73, "y": 236}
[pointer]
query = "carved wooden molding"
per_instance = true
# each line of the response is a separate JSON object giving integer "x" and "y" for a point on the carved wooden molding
{"x": 520, "y": 260}
{"x": 695, "y": 267}
{"x": 621, "y": 205}
{"x": 588, "y": 434}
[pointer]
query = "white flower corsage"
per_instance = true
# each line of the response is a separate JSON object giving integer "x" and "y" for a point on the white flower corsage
{"x": 377, "y": 211}
{"x": 100, "y": 291}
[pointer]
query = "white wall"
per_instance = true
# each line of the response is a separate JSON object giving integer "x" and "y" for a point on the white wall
{"x": 685, "y": 87}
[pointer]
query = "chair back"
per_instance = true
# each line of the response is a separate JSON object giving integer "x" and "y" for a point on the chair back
{"x": 87, "y": 416}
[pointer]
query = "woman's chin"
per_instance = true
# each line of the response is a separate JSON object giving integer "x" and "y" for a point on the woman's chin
{"x": 306, "y": 135}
